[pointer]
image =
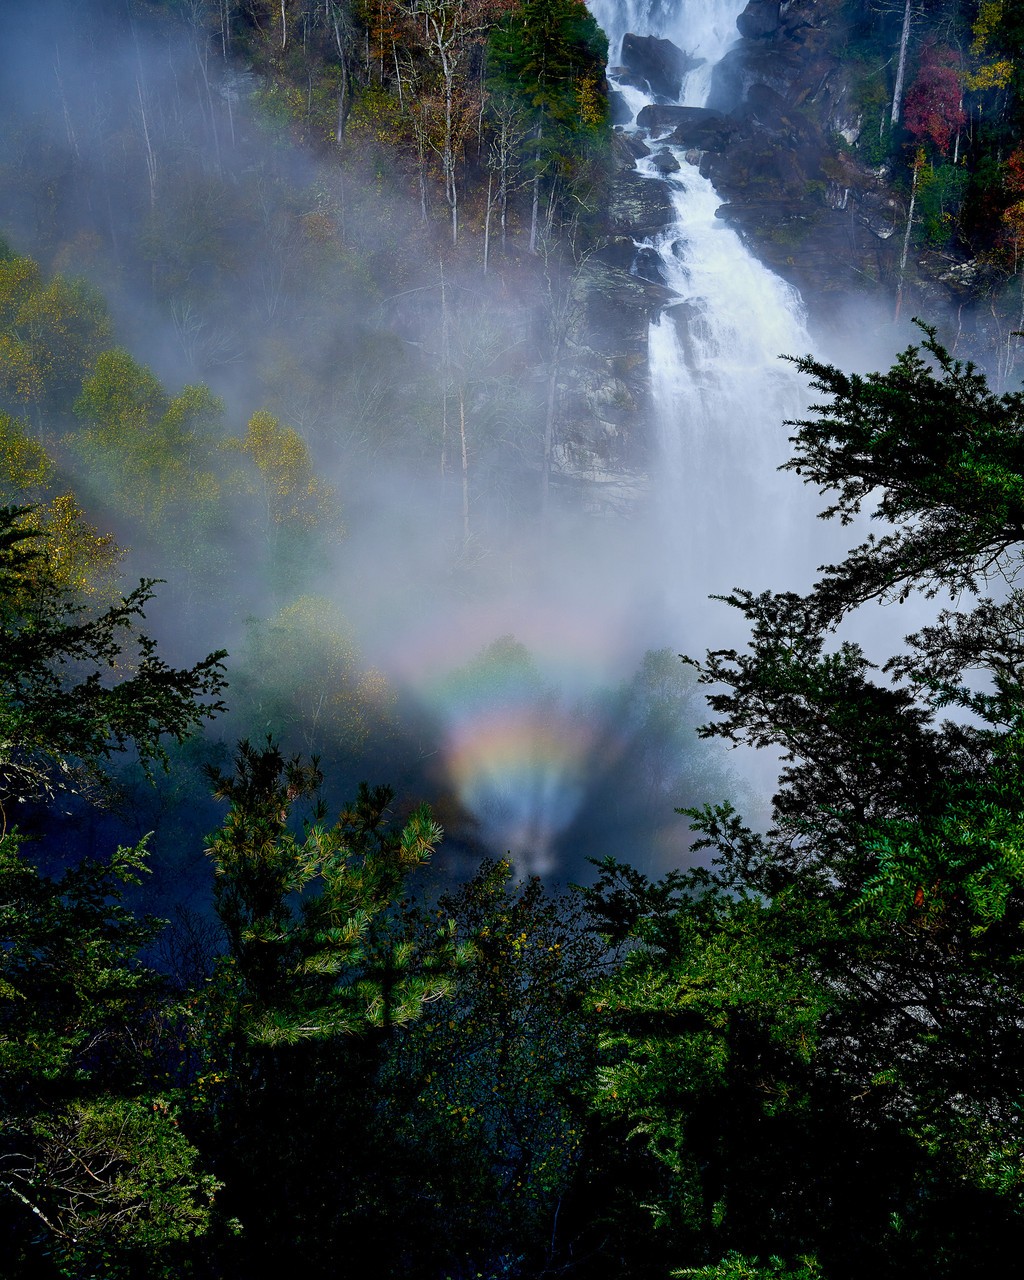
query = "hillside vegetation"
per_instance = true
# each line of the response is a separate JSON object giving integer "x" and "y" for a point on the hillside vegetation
{"x": 294, "y": 331}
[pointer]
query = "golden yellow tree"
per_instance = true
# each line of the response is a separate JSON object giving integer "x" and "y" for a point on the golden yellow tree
{"x": 77, "y": 558}
{"x": 51, "y": 332}
{"x": 282, "y": 474}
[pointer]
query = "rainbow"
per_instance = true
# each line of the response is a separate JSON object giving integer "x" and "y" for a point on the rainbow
{"x": 514, "y": 748}
{"x": 520, "y": 770}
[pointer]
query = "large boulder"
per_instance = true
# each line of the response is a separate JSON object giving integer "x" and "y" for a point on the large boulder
{"x": 712, "y": 133}
{"x": 696, "y": 127}
{"x": 647, "y": 265}
{"x": 759, "y": 20}
{"x": 626, "y": 301}
{"x": 782, "y": 69}
{"x": 619, "y": 111}
{"x": 659, "y": 119}
{"x": 826, "y": 253}
{"x": 627, "y": 149}
{"x": 656, "y": 63}
{"x": 665, "y": 162}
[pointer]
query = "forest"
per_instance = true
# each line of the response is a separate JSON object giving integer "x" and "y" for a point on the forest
{"x": 381, "y": 890}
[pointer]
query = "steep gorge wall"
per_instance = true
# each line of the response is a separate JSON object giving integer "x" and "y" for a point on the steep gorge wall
{"x": 803, "y": 170}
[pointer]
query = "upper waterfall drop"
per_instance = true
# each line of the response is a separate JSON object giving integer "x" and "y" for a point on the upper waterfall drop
{"x": 721, "y": 391}
{"x": 704, "y": 28}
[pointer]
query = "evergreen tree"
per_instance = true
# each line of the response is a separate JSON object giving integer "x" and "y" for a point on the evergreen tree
{"x": 487, "y": 1093}
{"x": 820, "y": 1036}
{"x": 77, "y": 687}
{"x": 550, "y": 56}
{"x": 96, "y": 1176}
{"x": 95, "y": 1173}
{"x": 317, "y": 977}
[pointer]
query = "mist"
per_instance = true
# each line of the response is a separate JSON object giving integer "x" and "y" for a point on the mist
{"x": 468, "y": 622}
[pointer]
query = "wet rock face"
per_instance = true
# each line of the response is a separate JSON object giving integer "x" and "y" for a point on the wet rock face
{"x": 779, "y": 67}
{"x": 810, "y": 210}
{"x": 775, "y": 149}
{"x": 655, "y": 64}
{"x": 788, "y": 166}
{"x": 694, "y": 127}
{"x": 600, "y": 457}
{"x": 647, "y": 265}
{"x": 601, "y": 452}
{"x": 628, "y": 148}
{"x": 618, "y": 108}
{"x": 638, "y": 206}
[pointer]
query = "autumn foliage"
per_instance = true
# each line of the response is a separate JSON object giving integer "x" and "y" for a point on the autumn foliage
{"x": 934, "y": 110}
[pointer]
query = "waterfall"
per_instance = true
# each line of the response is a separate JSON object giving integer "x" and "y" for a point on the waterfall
{"x": 721, "y": 391}
{"x": 530, "y": 765}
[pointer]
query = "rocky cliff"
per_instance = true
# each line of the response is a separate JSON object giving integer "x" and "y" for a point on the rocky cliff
{"x": 794, "y": 147}
{"x": 813, "y": 175}
{"x": 792, "y": 174}
{"x": 798, "y": 141}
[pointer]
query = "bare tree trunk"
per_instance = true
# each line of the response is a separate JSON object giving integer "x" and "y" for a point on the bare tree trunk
{"x": 906, "y": 240}
{"x": 421, "y": 169}
{"x": 448, "y": 159}
{"x": 549, "y": 434}
{"x": 487, "y": 220}
{"x": 72, "y": 140}
{"x": 381, "y": 63}
{"x": 444, "y": 375}
{"x": 284, "y": 27}
{"x": 202, "y": 57}
{"x": 549, "y": 216}
{"x": 897, "y": 93}
{"x": 398, "y": 77}
{"x": 150, "y": 157}
{"x": 465, "y": 463}
{"x": 507, "y": 139}
{"x": 339, "y": 131}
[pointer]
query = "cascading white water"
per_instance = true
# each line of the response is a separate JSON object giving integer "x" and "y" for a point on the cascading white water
{"x": 703, "y": 28}
{"x": 721, "y": 391}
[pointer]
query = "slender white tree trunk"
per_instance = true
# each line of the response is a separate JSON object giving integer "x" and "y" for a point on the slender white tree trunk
{"x": 445, "y": 365}
{"x": 549, "y": 435}
{"x": 398, "y": 77}
{"x": 533, "y": 214}
{"x": 150, "y": 157}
